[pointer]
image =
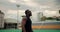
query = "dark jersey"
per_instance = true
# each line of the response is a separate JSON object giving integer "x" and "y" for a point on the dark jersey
{"x": 28, "y": 25}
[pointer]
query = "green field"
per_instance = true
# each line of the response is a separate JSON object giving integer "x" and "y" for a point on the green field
{"x": 36, "y": 30}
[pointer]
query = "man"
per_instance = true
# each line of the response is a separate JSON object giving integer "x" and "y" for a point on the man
{"x": 26, "y": 22}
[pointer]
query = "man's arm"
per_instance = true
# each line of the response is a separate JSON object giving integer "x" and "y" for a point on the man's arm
{"x": 23, "y": 25}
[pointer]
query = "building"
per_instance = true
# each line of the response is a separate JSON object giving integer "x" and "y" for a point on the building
{"x": 1, "y": 19}
{"x": 10, "y": 23}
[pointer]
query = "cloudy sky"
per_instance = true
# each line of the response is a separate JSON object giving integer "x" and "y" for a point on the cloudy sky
{"x": 48, "y": 7}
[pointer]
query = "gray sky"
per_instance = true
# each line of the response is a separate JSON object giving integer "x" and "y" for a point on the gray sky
{"x": 48, "y": 7}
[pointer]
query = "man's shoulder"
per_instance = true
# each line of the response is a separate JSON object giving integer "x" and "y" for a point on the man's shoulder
{"x": 24, "y": 17}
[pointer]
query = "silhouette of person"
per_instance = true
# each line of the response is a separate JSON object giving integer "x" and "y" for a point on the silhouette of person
{"x": 26, "y": 22}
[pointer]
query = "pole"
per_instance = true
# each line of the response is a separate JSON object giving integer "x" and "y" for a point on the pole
{"x": 17, "y": 14}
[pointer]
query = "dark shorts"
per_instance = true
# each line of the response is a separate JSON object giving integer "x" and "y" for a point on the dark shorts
{"x": 28, "y": 31}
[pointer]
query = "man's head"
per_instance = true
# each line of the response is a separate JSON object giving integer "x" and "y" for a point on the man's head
{"x": 28, "y": 13}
